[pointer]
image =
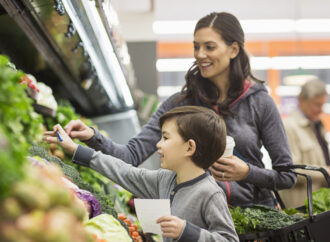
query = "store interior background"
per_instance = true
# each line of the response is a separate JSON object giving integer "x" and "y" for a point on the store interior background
{"x": 288, "y": 41}
{"x": 147, "y": 46}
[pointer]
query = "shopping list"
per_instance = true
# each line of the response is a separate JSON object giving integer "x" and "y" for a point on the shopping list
{"x": 149, "y": 210}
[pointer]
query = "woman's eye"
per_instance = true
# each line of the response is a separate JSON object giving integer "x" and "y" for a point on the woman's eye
{"x": 196, "y": 47}
{"x": 210, "y": 47}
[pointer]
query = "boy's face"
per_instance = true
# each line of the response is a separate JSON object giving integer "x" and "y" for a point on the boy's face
{"x": 171, "y": 147}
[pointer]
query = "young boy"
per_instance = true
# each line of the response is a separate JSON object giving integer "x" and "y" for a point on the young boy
{"x": 192, "y": 139}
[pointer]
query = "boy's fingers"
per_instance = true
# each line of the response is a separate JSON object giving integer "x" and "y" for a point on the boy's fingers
{"x": 163, "y": 219}
{"x": 166, "y": 225}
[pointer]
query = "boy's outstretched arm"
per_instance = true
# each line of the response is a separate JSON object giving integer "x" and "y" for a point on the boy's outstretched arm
{"x": 60, "y": 137}
{"x": 141, "y": 182}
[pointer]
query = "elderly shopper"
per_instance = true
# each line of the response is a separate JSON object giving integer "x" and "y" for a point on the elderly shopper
{"x": 306, "y": 135}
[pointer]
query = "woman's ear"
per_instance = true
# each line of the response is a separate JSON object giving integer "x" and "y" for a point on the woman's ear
{"x": 191, "y": 147}
{"x": 234, "y": 50}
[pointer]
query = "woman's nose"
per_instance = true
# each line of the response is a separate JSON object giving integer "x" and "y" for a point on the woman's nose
{"x": 200, "y": 53}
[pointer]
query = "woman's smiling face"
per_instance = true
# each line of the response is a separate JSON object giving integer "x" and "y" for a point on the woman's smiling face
{"x": 212, "y": 54}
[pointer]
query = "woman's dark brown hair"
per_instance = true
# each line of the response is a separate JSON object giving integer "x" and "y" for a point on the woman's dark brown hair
{"x": 202, "y": 125}
{"x": 202, "y": 91}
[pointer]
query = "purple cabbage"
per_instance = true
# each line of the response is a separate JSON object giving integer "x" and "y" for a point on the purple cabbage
{"x": 95, "y": 208}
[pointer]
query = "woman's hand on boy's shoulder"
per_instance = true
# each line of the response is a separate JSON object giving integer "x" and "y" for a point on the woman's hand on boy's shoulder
{"x": 171, "y": 226}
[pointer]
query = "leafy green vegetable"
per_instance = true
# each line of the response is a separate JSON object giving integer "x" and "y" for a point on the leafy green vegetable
{"x": 108, "y": 228}
{"x": 243, "y": 223}
{"x": 19, "y": 124}
{"x": 321, "y": 200}
{"x": 261, "y": 218}
{"x": 64, "y": 114}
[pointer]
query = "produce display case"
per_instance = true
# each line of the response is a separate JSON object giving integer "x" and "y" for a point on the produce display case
{"x": 72, "y": 47}
{"x": 67, "y": 45}
{"x": 315, "y": 228}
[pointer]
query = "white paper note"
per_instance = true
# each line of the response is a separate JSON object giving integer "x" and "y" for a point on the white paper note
{"x": 149, "y": 210}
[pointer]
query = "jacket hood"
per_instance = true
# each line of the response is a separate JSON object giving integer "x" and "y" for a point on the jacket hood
{"x": 250, "y": 88}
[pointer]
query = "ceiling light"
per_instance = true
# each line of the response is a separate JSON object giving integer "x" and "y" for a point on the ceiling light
{"x": 165, "y": 91}
{"x": 288, "y": 91}
{"x": 268, "y": 26}
{"x": 174, "y": 65}
{"x": 313, "y": 25}
{"x": 173, "y": 27}
{"x": 251, "y": 26}
{"x": 298, "y": 80}
{"x": 257, "y": 63}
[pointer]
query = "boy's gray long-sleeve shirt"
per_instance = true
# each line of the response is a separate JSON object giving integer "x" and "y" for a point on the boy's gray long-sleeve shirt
{"x": 256, "y": 122}
{"x": 201, "y": 202}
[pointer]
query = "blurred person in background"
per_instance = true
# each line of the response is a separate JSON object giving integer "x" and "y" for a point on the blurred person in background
{"x": 220, "y": 79}
{"x": 306, "y": 135}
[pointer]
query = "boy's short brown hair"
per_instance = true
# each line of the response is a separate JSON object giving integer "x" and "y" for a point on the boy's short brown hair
{"x": 202, "y": 125}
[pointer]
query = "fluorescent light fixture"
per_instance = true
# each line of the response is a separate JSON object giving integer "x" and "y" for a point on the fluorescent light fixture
{"x": 251, "y": 26}
{"x": 294, "y": 91}
{"x": 303, "y": 62}
{"x": 173, "y": 27}
{"x": 268, "y": 26}
{"x": 174, "y": 65}
{"x": 282, "y": 91}
{"x": 298, "y": 80}
{"x": 257, "y": 63}
{"x": 260, "y": 63}
{"x": 109, "y": 54}
{"x": 313, "y": 25}
{"x": 166, "y": 91}
{"x": 288, "y": 91}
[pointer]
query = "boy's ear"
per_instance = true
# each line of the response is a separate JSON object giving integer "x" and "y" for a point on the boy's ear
{"x": 191, "y": 147}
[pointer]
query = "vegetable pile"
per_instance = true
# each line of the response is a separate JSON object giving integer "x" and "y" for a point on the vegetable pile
{"x": 37, "y": 203}
{"x": 71, "y": 173}
{"x": 321, "y": 200}
{"x": 261, "y": 218}
{"x": 40, "y": 209}
{"x": 105, "y": 227}
{"x": 19, "y": 124}
{"x": 133, "y": 228}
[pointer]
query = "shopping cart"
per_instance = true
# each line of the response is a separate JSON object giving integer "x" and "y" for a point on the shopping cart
{"x": 315, "y": 228}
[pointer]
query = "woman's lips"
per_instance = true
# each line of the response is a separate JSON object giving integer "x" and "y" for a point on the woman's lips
{"x": 204, "y": 66}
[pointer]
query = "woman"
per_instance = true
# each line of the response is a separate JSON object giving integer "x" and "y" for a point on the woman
{"x": 220, "y": 79}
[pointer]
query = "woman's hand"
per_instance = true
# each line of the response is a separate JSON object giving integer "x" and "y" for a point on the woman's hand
{"x": 229, "y": 169}
{"x": 171, "y": 226}
{"x": 52, "y": 137}
{"x": 77, "y": 129}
